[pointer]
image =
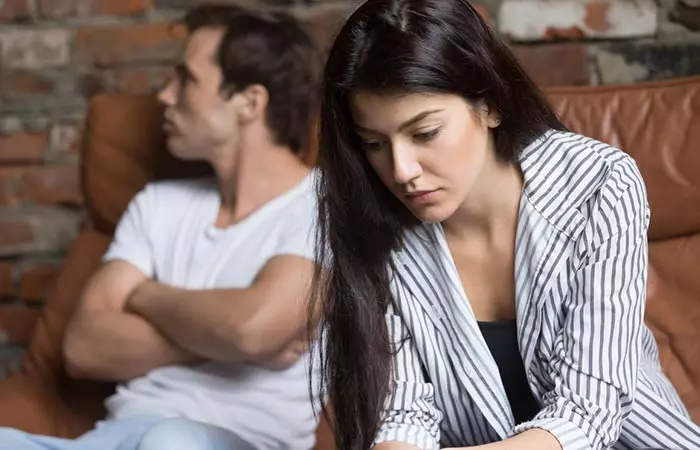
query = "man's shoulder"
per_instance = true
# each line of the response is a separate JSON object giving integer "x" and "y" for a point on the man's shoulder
{"x": 166, "y": 202}
{"x": 292, "y": 224}
{"x": 179, "y": 189}
{"x": 300, "y": 200}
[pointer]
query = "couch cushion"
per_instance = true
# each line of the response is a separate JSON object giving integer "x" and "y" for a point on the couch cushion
{"x": 30, "y": 404}
{"x": 41, "y": 398}
{"x": 656, "y": 123}
{"x": 123, "y": 149}
{"x": 44, "y": 350}
{"x": 673, "y": 313}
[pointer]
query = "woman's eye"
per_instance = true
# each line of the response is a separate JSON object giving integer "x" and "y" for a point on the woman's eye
{"x": 427, "y": 135}
{"x": 369, "y": 146}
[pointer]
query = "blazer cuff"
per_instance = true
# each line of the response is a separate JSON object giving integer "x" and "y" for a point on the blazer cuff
{"x": 409, "y": 434}
{"x": 570, "y": 436}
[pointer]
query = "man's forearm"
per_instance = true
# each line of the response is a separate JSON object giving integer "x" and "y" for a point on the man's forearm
{"x": 199, "y": 321}
{"x": 118, "y": 346}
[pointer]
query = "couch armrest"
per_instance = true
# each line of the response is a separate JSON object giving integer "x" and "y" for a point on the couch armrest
{"x": 44, "y": 353}
{"x": 26, "y": 405}
{"x": 41, "y": 398}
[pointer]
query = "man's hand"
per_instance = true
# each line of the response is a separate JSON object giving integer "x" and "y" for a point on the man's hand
{"x": 142, "y": 292}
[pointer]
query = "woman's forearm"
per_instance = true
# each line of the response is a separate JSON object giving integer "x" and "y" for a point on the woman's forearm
{"x": 534, "y": 439}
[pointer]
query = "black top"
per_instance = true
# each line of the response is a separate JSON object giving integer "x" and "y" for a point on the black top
{"x": 502, "y": 340}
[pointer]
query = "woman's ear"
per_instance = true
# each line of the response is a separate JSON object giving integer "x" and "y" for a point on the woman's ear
{"x": 486, "y": 114}
{"x": 493, "y": 117}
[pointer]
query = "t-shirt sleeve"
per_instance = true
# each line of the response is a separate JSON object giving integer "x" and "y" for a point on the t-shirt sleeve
{"x": 299, "y": 233}
{"x": 131, "y": 242}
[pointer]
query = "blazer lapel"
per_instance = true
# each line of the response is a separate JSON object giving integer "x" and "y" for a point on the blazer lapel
{"x": 533, "y": 258}
{"x": 548, "y": 220}
{"x": 430, "y": 274}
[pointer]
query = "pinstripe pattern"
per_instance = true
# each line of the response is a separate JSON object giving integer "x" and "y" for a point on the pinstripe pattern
{"x": 580, "y": 275}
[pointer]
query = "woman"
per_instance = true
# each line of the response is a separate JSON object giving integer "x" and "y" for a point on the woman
{"x": 485, "y": 268}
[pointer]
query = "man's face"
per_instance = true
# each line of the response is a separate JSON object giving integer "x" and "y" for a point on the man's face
{"x": 199, "y": 119}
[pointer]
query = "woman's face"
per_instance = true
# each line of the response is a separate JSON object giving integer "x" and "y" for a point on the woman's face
{"x": 428, "y": 149}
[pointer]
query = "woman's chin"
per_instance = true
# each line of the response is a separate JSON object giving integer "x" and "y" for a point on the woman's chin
{"x": 436, "y": 213}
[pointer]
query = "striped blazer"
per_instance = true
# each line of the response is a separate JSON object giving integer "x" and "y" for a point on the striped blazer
{"x": 580, "y": 274}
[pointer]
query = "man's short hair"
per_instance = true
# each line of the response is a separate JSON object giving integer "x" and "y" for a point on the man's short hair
{"x": 270, "y": 49}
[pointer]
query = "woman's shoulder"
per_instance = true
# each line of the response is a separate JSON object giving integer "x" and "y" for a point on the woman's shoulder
{"x": 565, "y": 171}
{"x": 568, "y": 154}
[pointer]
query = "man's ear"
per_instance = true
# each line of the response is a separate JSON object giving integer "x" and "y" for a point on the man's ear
{"x": 252, "y": 102}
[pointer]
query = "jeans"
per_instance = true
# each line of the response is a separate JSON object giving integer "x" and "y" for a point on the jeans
{"x": 137, "y": 433}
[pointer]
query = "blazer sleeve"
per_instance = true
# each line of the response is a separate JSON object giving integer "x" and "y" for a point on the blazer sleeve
{"x": 410, "y": 415}
{"x": 596, "y": 355}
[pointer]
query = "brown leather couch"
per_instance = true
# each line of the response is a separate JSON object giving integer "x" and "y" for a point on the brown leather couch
{"x": 658, "y": 123}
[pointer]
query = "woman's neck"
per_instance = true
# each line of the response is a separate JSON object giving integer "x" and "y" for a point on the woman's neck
{"x": 492, "y": 205}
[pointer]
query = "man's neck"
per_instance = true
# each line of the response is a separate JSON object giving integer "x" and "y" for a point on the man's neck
{"x": 254, "y": 177}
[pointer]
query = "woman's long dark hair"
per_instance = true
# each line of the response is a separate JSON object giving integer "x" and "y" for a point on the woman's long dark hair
{"x": 392, "y": 46}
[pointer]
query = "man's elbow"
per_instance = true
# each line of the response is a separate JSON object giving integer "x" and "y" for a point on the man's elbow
{"x": 81, "y": 360}
{"x": 256, "y": 342}
{"x": 76, "y": 357}
{"x": 250, "y": 344}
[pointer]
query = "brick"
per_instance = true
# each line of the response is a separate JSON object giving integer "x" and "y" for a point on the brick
{"x": 571, "y": 61}
{"x": 131, "y": 80}
{"x": 17, "y": 324}
{"x": 14, "y": 9}
{"x": 22, "y": 147}
{"x": 92, "y": 83}
{"x": 628, "y": 62}
{"x": 15, "y": 232}
{"x": 61, "y": 9}
{"x": 34, "y": 123}
{"x": 37, "y": 229}
{"x": 7, "y": 282}
{"x": 44, "y": 185}
{"x": 64, "y": 139}
{"x": 148, "y": 43}
{"x": 687, "y": 13}
{"x": 36, "y": 279}
{"x": 175, "y": 4}
{"x": 139, "y": 80}
{"x": 11, "y": 124}
{"x": 24, "y": 83}
{"x": 537, "y": 20}
{"x": 35, "y": 49}
{"x": 44, "y": 105}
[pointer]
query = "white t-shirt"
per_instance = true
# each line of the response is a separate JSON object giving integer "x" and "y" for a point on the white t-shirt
{"x": 168, "y": 233}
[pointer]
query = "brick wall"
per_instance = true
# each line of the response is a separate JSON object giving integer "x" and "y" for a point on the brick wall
{"x": 54, "y": 54}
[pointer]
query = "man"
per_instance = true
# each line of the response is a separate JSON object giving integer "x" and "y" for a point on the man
{"x": 199, "y": 308}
